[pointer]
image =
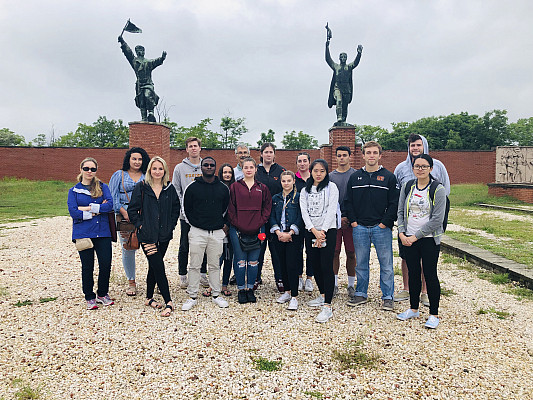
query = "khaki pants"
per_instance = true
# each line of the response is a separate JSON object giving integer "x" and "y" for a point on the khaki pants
{"x": 210, "y": 243}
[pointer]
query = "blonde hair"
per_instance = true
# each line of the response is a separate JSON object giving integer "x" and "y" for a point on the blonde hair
{"x": 149, "y": 179}
{"x": 95, "y": 187}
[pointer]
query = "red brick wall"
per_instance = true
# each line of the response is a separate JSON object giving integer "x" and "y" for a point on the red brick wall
{"x": 153, "y": 137}
{"x": 520, "y": 192}
{"x": 54, "y": 163}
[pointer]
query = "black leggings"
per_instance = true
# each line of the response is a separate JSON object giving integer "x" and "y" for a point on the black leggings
{"x": 288, "y": 258}
{"x": 428, "y": 251}
{"x": 321, "y": 260}
{"x": 156, "y": 270}
{"x": 102, "y": 247}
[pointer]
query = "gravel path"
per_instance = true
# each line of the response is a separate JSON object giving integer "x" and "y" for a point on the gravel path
{"x": 127, "y": 351}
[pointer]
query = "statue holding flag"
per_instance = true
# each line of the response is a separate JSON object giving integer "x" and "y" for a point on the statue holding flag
{"x": 145, "y": 97}
{"x": 341, "y": 88}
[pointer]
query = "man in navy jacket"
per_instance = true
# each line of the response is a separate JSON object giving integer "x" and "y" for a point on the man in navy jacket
{"x": 371, "y": 206}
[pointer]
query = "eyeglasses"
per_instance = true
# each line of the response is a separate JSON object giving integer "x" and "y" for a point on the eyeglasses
{"x": 207, "y": 165}
{"x": 421, "y": 167}
{"x": 87, "y": 169}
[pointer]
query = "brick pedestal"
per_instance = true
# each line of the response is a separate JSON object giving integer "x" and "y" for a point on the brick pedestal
{"x": 340, "y": 136}
{"x": 151, "y": 136}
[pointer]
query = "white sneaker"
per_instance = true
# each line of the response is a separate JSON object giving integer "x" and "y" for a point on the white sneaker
{"x": 408, "y": 314}
{"x": 432, "y": 322}
{"x": 318, "y": 302}
{"x": 308, "y": 285}
{"x": 219, "y": 301}
{"x": 184, "y": 282}
{"x": 204, "y": 281}
{"x": 293, "y": 305}
{"x": 190, "y": 303}
{"x": 284, "y": 298}
{"x": 324, "y": 315}
{"x": 300, "y": 284}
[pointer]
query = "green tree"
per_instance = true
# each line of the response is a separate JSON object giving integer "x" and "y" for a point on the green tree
{"x": 521, "y": 132}
{"x": 40, "y": 140}
{"x": 298, "y": 141}
{"x": 233, "y": 130}
{"x": 366, "y": 133}
{"x": 178, "y": 134}
{"x": 397, "y": 139}
{"x": 454, "y": 141}
{"x": 10, "y": 138}
{"x": 102, "y": 133}
{"x": 266, "y": 137}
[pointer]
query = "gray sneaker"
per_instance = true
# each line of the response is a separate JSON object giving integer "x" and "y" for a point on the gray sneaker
{"x": 357, "y": 301}
{"x": 388, "y": 305}
{"x": 318, "y": 302}
{"x": 351, "y": 291}
{"x": 424, "y": 299}
{"x": 335, "y": 291}
{"x": 204, "y": 281}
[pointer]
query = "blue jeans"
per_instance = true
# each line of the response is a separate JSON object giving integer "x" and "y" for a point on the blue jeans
{"x": 128, "y": 257}
{"x": 363, "y": 237}
{"x": 244, "y": 262}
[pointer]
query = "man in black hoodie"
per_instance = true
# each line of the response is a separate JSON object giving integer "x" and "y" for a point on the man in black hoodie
{"x": 205, "y": 202}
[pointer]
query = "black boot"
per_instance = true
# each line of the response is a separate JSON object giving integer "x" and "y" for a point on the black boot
{"x": 251, "y": 296}
{"x": 242, "y": 297}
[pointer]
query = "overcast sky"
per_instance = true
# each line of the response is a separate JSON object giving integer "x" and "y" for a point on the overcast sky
{"x": 264, "y": 60}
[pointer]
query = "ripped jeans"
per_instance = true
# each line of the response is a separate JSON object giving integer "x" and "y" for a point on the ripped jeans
{"x": 244, "y": 262}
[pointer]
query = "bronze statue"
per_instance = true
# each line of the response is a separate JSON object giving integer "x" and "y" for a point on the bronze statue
{"x": 145, "y": 97}
{"x": 341, "y": 88}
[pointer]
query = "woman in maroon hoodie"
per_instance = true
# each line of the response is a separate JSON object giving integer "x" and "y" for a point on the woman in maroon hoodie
{"x": 248, "y": 211}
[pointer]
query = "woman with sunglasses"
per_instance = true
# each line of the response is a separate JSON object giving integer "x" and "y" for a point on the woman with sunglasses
{"x": 121, "y": 185}
{"x": 89, "y": 203}
{"x": 420, "y": 218}
{"x": 154, "y": 210}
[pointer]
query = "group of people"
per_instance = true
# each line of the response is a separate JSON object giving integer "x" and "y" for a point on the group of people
{"x": 229, "y": 218}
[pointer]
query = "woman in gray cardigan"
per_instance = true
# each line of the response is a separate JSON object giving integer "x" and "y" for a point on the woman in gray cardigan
{"x": 421, "y": 212}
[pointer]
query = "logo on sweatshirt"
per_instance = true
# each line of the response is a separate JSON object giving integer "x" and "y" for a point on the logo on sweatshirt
{"x": 380, "y": 178}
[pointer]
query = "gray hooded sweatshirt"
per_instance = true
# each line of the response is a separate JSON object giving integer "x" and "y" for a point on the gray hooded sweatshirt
{"x": 184, "y": 173}
{"x": 404, "y": 170}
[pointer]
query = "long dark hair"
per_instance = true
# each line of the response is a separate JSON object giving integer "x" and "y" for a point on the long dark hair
{"x": 311, "y": 180}
{"x": 221, "y": 169}
{"x": 144, "y": 155}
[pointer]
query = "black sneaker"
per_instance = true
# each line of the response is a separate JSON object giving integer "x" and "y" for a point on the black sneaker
{"x": 250, "y": 295}
{"x": 233, "y": 280}
{"x": 257, "y": 283}
{"x": 242, "y": 297}
{"x": 280, "y": 286}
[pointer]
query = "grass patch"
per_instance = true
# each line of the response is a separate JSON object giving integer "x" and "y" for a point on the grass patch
{"x": 22, "y": 198}
{"x": 264, "y": 364}
{"x": 520, "y": 292}
{"x": 23, "y": 303}
{"x": 446, "y": 292}
{"x": 470, "y": 194}
{"x": 46, "y": 299}
{"x": 497, "y": 279}
{"x": 353, "y": 356}
{"x": 492, "y": 310}
{"x": 397, "y": 270}
{"x": 25, "y": 392}
{"x": 315, "y": 394}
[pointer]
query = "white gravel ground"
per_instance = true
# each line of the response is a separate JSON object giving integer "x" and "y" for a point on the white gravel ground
{"x": 127, "y": 351}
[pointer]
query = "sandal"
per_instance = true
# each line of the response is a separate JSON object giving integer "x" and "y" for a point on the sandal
{"x": 151, "y": 302}
{"x": 166, "y": 313}
{"x": 226, "y": 292}
{"x": 131, "y": 290}
{"x": 207, "y": 293}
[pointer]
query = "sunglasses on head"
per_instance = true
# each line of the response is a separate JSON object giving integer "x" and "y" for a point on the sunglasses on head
{"x": 87, "y": 169}
{"x": 209, "y": 165}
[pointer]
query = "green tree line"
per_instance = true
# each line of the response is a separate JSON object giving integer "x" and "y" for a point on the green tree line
{"x": 455, "y": 131}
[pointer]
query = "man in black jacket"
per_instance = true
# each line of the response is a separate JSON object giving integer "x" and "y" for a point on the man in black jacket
{"x": 205, "y": 202}
{"x": 371, "y": 205}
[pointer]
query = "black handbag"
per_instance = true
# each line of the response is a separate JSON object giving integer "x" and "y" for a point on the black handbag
{"x": 249, "y": 242}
